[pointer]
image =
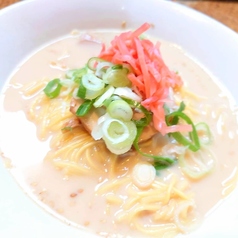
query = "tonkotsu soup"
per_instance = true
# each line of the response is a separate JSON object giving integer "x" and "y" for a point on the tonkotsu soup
{"x": 119, "y": 134}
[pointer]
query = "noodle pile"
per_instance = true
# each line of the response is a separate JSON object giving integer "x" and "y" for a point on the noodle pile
{"x": 165, "y": 208}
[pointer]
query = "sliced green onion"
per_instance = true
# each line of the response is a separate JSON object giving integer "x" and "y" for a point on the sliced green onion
{"x": 69, "y": 73}
{"x": 102, "y": 67}
{"x": 197, "y": 164}
{"x": 116, "y": 78}
{"x": 117, "y": 150}
{"x": 115, "y": 131}
{"x": 81, "y": 93}
{"x": 127, "y": 92}
{"x": 121, "y": 110}
{"x": 109, "y": 90}
{"x": 92, "y": 63}
{"x": 84, "y": 108}
{"x": 97, "y": 132}
{"x": 181, "y": 107}
{"x": 127, "y": 67}
{"x": 94, "y": 85}
{"x": 193, "y": 141}
{"x": 117, "y": 66}
{"x": 160, "y": 162}
{"x": 173, "y": 118}
{"x": 90, "y": 94}
{"x": 143, "y": 175}
{"x": 118, "y": 135}
{"x": 91, "y": 82}
{"x": 52, "y": 89}
{"x": 67, "y": 83}
{"x": 160, "y": 166}
{"x": 111, "y": 99}
{"x": 148, "y": 115}
{"x": 204, "y": 133}
{"x": 76, "y": 74}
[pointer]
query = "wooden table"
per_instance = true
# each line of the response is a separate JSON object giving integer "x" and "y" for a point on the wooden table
{"x": 224, "y": 11}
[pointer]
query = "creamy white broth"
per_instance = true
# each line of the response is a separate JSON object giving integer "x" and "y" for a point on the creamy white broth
{"x": 72, "y": 197}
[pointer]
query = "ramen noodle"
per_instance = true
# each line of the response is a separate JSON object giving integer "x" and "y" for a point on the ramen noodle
{"x": 79, "y": 179}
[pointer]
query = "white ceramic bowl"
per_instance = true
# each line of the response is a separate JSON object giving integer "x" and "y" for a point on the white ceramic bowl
{"x": 29, "y": 25}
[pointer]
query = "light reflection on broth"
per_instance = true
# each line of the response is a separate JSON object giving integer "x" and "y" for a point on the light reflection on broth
{"x": 108, "y": 202}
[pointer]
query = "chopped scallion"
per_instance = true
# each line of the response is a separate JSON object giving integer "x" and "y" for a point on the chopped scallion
{"x": 84, "y": 108}
{"x": 148, "y": 115}
{"x": 173, "y": 119}
{"x": 160, "y": 162}
{"x": 92, "y": 63}
{"x": 94, "y": 86}
{"x": 76, "y": 74}
{"x": 52, "y": 89}
{"x": 120, "y": 109}
{"x": 204, "y": 133}
{"x": 81, "y": 91}
{"x": 117, "y": 66}
{"x": 107, "y": 94}
{"x": 116, "y": 77}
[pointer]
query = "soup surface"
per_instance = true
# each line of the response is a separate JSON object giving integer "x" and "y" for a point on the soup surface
{"x": 101, "y": 194}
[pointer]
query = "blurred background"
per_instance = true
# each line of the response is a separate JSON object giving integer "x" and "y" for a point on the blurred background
{"x": 225, "y": 11}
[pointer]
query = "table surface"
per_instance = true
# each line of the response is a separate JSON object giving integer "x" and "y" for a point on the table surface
{"x": 224, "y": 11}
